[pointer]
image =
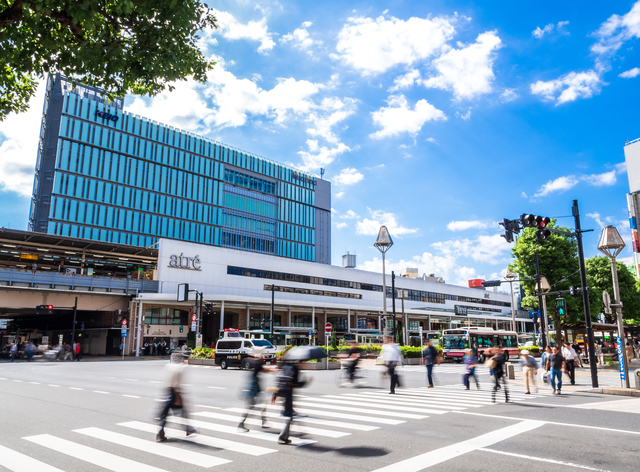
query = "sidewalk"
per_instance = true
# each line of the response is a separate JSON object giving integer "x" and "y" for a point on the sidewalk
{"x": 98, "y": 359}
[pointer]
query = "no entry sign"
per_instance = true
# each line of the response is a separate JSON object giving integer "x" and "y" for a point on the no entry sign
{"x": 327, "y": 328}
{"x": 124, "y": 322}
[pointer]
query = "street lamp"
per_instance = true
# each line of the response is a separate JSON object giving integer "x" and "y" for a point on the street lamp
{"x": 612, "y": 244}
{"x": 383, "y": 244}
{"x": 510, "y": 276}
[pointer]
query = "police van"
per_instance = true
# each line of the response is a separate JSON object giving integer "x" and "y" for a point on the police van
{"x": 234, "y": 350}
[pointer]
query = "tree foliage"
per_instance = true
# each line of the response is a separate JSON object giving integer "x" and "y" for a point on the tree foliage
{"x": 123, "y": 46}
{"x": 599, "y": 279}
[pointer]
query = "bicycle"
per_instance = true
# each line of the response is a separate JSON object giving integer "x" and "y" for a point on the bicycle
{"x": 343, "y": 378}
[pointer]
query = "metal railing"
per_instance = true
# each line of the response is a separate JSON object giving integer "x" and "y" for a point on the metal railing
{"x": 53, "y": 280}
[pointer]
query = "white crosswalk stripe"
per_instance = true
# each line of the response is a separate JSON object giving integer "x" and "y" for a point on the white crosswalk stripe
{"x": 337, "y": 424}
{"x": 17, "y": 462}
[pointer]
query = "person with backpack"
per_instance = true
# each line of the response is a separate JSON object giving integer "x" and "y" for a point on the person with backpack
{"x": 431, "y": 358}
{"x": 497, "y": 366}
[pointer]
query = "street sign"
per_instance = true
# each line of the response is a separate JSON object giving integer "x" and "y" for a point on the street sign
{"x": 310, "y": 333}
{"x": 183, "y": 292}
{"x": 420, "y": 331}
{"x": 620, "y": 358}
{"x": 193, "y": 326}
{"x": 125, "y": 335}
{"x": 193, "y": 317}
{"x": 606, "y": 298}
{"x": 328, "y": 328}
{"x": 199, "y": 341}
{"x": 124, "y": 322}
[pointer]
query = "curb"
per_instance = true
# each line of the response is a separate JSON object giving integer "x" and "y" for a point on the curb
{"x": 624, "y": 392}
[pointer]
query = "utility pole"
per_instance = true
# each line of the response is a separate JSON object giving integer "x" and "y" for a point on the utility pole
{"x": 393, "y": 306}
{"x": 585, "y": 298}
{"x": 273, "y": 292}
{"x": 73, "y": 327}
{"x": 543, "y": 337}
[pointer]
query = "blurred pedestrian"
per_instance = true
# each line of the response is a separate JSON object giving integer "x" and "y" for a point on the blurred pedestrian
{"x": 78, "y": 352}
{"x": 29, "y": 350}
{"x": 470, "y": 363}
{"x": 529, "y": 370}
{"x": 392, "y": 357}
{"x": 288, "y": 380}
{"x": 351, "y": 358}
{"x": 543, "y": 362}
{"x": 555, "y": 366}
{"x": 570, "y": 357}
{"x": 252, "y": 393}
{"x": 630, "y": 351}
{"x": 497, "y": 366}
{"x": 600, "y": 354}
{"x": 431, "y": 358}
{"x": 174, "y": 399}
{"x": 13, "y": 351}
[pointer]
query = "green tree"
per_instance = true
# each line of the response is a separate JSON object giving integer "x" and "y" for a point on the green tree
{"x": 599, "y": 279}
{"x": 123, "y": 46}
{"x": 333, "y": 340}
{"x": 558, "y": 257}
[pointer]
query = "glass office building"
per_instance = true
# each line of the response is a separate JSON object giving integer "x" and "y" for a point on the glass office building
{"x": 109, "y": 175}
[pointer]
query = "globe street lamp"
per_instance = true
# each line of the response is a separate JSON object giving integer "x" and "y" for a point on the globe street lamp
{"x": 612, "y": 244}
{"x": 383, "y": 244}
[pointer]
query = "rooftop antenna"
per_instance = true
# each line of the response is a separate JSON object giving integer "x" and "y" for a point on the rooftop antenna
{"x": 321, "y": 172}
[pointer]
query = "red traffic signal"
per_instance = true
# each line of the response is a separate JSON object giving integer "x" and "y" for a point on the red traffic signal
{"x": 49, "y": 307}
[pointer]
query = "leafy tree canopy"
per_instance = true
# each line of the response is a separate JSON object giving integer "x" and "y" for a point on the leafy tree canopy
{"x": 599, "y": 279}
{"x": 123, "y": 46}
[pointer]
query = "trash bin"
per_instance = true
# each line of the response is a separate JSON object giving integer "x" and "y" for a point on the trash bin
{"x": 637, "y": 377}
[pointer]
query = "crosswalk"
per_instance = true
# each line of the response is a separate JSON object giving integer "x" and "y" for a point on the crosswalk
{"x": 319, "y": 418}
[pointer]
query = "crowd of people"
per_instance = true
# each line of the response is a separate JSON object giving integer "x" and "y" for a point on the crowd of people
{"x": 59, "y": 352}
{"x": 156, "y": 348}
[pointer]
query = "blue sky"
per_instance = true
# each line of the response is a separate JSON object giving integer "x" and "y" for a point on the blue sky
{"x": 438, "y": 119}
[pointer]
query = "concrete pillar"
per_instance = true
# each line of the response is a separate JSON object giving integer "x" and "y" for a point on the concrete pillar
{"x": 289, "y": 316}
{"x": 248, "y": 318}
{"x": 313, "y": 318}
{"x": 348, "y": 321}
{"x": 139, "y": 334}
{"x": 222, "y": 316}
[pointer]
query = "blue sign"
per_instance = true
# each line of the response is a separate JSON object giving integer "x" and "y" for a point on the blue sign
{"x": 124, "y": 335}
{"x": 107, "y": 116}
{"x": 620, "y": 359}
{"x": 310, "y": 333}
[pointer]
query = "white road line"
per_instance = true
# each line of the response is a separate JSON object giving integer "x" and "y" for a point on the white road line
{"x": 17, "y": 462}
{"x": 170, "y": 452}
{"x": 358, "y": 410}
{"x": 446, "y": 453}
{"x": 91, "y": 455}
{"x": 131, "y": 396}
{"x": 204, "y": 440}
{"x": 428, "y": 397}
{"x": 303, "y": 429}
{"x": 373, "y": 404}
{"x": 16, "y": 380}
{"x": 155, "y": 381}
{"x": 35, "y": 383}
{"x": 132, "y": 380}
{"x": 187, "y": 385}
{"x": 75, "y": 388}
{"x": 53, "y": 385}
{"x": 541, "y": 459}
{"x": 100, "y": 391}
{"x": 3, "y": 378}
{"x": 219, "y": 388}
{"x": 334, "y": 414}
{"x": 379, "y": 399}
{"x": 207, "y": 406}
{"x": 550, "y": 422}
{"x": 337, "y": 424}
{"x": 221, "y": 428}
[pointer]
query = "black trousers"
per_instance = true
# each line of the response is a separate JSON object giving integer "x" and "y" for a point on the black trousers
{"x": 288, "y": 414}
{"x": 468, "y": 376}
{"x": 170, "y": 404}
{"x": 571, "y": 370}
{"x": 250, "y": 404}
{"x": 498, "y": 379}
{"x": 395, "y": 380}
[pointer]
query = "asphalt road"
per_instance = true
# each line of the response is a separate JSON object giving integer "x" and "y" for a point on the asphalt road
{"x": 95, "y": 416}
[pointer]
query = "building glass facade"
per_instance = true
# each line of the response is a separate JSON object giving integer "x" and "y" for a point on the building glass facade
{"x": 109, "y": 175}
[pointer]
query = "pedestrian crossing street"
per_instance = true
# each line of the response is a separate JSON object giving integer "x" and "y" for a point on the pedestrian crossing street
{"x": 318, "y": 417}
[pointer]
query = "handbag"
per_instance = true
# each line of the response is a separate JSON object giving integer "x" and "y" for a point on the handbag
{"x": 490, "y": 364}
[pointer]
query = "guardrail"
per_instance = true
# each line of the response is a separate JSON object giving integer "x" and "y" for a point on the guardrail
{"x": 52, "y": 280}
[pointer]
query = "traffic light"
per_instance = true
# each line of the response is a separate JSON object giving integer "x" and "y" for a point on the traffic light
{"x": 561, "y": 307}
{"x": 572, "y": 291}
{"x": 491, "y": 283}
{"x": 510, "y": 227}
{"x": 44, "y": 308}
{"x": 181, "y": 329}
{"x": 208, "y": 307}
{"x": 535, "y": 221}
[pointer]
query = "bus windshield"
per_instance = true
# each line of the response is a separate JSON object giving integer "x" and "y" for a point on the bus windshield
{"x": 455, "y": 341}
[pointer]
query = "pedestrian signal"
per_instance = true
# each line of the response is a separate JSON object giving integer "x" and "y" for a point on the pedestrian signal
{"x": 561, "y": 307}
{"x": 181, "y": 329}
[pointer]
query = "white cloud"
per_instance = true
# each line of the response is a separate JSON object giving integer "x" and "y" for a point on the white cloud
{"x": 405, "y": 81}
{"x": 561, "y": 184}
{"x": 348, "y": 176}
{"x": 569, "y": 87}
{"x": 466, "y": 116}
{"x": 19, "y": 146}
{"x": 301, "y": 39}
{"x": 614, "y": 32}
{"x": 341, "y": 225}
{"x": 433, "y": 141}
{"x": 398, "y": 118}
{"x": 339, "y": 195}
{"x": 631, "y": 73}
{"x": 467, "y": 71}
{"x": 232, "y": 29}
{"x": 465, "y": 225}
{"x": 320, "y": 156}
{"x": 371, "y": 226}
{"x": 621, "y": 167}
{"x": 559, "y": 27}
{"x": 350, "y": 215}
{"x": 600, "y": 180}
{"x": 374, "y": 46}
{"x": 491, "y": 249}
{"x": 508, "y": 95}
{"x": 331, "y": 112}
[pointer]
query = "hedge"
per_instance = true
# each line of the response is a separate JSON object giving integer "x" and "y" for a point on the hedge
{"x": 203, "y": 353}
{"x": 531, "y": 349}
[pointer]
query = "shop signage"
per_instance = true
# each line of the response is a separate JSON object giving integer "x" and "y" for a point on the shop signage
{"x": 461, "y": 310}
{"x": 184, "y": 262}
{"x": 106, "y": 116}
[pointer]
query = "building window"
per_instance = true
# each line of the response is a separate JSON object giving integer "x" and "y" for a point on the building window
{"x": 165, "y": 316}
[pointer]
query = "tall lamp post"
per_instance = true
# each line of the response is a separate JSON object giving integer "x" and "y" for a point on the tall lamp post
{"x": 383, "y": 244}
{"x": 612, "y": 244}
{"x": 510, "y": 276}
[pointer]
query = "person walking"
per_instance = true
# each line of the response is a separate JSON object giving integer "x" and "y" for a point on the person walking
{"x": 576, "y": 347}
{"x": 470, "y": 363}
{"x": 174, "y": 399}
{"x": 431, "y": 358}
{"x": 351, "y": 359}
{"x": 630, "y": 351}
{"x": 28, "y": 350}
{"x": 252, "y": 393}
{"x": 497, "y": 366}
{"x": 530, "y": 370}
{"x": 13, "y": 351}
{"x": 78, "y": 352}
{"x": 288, "y": 381}
{"x": 392, "y": 357}
{"x": 543, "y": 362}
{"x": 599, "y": 354}
{"x": 570, "y": 358}
{"x": 555, "y": 366}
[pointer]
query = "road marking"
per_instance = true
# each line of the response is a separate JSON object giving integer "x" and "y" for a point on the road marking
{"x": 75, "y": 388}
{"x": 131, "y": 396}
{"x": 221, "y": 428}
{"x": 207, "y": 406}
{"x": 133, "y": 380}
{"x": 372, "y": 403}
{"x": 549, "y": 422}
{"x": 17, "y": 462}
{"x": 16, "y": 380}
{"x": 187, "y": 385}
{"x": 3, "y": 378}
{"x": 35, "y": 383}
{"x": 155, "y": 381}
{"x": 53, "y": 385}
{"x": 446, "y": 453}
{"x": 359, "y": 410}
{"x": 203, "y": 440}
{"x": 532, "y": 458}
{"x": 303, "y": 429}
{"x": 170, "y": 452}
{"x": 380, "y": 398}
{"x": 337, "y": 424}
{"x": 100, "y": 391}
{"x": 91, "y": 455}
{"x": 435, "y": 395}
{"x": 333, "y": 414}
{"x": 219, "y": 388}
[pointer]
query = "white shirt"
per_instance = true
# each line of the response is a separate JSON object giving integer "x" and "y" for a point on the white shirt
{"x": 391, "y": 353}
{"x": 174, "y": 375}
{"x": 569, "y": 354}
